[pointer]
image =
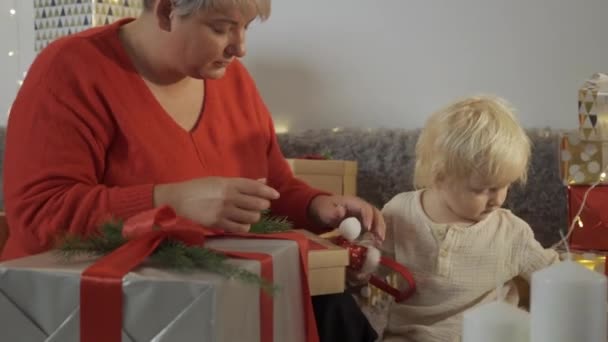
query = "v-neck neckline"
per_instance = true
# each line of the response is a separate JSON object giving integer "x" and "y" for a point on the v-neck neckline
{"x": 147, "y": 93}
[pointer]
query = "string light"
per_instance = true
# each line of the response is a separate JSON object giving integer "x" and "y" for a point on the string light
{"x": 577, "y": 218}
{"x": 15, "y": 52}
{"x": 281, "y": 129}
{"x": 13, "y": 46}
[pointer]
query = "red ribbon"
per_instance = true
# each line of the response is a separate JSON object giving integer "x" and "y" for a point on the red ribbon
{"x": 399, "y": 296}
{"x": 101, "y": 294}
{"x": 357, "y": 256}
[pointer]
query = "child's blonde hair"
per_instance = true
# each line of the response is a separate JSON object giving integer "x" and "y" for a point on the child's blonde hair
{"x": 477, "y": 136}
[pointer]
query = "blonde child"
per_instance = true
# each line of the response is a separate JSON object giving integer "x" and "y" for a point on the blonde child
{"x": 452, "y": 233}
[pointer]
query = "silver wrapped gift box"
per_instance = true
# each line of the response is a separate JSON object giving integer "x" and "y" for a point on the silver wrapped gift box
{"x": 39, "y": 299}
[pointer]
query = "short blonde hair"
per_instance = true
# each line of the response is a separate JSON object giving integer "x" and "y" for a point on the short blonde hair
{"x": 187, "y": 7}
{"x": 475, "y": 136}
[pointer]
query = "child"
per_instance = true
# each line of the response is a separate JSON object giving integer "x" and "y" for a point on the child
{"x": 452, "y": 233}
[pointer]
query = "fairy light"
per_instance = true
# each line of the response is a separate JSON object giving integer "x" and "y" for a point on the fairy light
{"x": 14, "y": 52}
{"x": 13, "y": 47}
{"x": 577, "y": 218}
{"x": 281, "y": 129}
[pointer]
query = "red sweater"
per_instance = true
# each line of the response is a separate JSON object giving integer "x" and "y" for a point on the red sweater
{"x": 86, "y": 139}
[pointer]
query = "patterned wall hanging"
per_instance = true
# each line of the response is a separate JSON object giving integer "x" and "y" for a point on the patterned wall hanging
{"x": 58, "y": 18}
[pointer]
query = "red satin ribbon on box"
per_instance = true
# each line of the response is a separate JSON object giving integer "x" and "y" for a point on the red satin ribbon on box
{"x": 101, "y": 301}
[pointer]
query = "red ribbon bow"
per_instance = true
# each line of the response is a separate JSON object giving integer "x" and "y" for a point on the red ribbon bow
{"x": 101, "y": 294}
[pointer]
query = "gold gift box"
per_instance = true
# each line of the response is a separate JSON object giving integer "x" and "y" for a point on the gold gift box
{"x": 593, "y": 108}
{"x": 590, "y": 260}
{"x": 326, "y": 266}
{"x": 582, "y": 161}
{"x": 335, "y": 176}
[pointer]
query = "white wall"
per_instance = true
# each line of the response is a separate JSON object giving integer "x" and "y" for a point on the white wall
{"x": 389, "y": 63}
{"x": 17, "y": 38}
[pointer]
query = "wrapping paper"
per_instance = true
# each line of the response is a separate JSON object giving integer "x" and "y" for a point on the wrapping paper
{"x": 591, "y": 233}
{"x": 57, "y": 18}
{"x": 39, "y": 299}
{"x": 593, "y": 108}
{"x": 582, "y": 161}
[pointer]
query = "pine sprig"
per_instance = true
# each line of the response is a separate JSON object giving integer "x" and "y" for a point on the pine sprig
{"x": 175, "y": 255}
{"x": 107, "y": 240}
{"x": 180, "y": 257}
{"x": 271, "y": 224}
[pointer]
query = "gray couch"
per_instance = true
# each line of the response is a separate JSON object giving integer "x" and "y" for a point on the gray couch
{"x": 386, "y": 162}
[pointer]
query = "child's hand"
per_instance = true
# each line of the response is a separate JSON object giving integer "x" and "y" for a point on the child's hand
{"x": 356, "y": 278}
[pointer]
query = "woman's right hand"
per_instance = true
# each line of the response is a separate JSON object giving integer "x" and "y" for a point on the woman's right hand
{"x": 232, "y": 204}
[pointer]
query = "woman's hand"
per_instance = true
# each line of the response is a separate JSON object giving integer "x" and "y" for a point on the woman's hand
{"x": 331, "y": 210}
{"x": 232, "y": 204}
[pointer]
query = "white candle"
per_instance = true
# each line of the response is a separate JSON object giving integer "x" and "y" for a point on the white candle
{"x": 568, "y": 303}
{"x": 496, "y": 322}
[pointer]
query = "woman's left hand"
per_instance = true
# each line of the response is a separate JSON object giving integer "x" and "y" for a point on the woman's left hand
{"x": 331, "y": 210}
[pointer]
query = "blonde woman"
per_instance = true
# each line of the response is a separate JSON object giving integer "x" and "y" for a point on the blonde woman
{"x": 157, "y": 111}
{"x": 452, "y": 233}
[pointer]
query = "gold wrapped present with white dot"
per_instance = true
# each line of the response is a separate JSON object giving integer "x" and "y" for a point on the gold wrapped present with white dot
{"x": 583, "y": 162}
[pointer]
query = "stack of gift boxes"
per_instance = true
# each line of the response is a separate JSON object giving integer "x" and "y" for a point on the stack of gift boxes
{"x": 584, "y": 164}
{"x": 42, "y": 296}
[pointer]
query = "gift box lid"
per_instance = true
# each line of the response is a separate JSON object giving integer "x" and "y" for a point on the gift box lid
{"x": 323, "y": 167}
{"x": 323, "y": 253}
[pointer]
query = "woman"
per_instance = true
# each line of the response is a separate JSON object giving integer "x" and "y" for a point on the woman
{"x": 158, "y": 111}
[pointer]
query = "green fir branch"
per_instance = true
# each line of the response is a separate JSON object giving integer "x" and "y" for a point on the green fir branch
{"x": 175, "y": 255}
{"x": 107, "y": 240}
{"x": 271, "y": 224}
{"x": 327, "y": 154}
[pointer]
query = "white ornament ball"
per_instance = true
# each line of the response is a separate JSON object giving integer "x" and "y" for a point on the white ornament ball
{"x": 350, "y": 228}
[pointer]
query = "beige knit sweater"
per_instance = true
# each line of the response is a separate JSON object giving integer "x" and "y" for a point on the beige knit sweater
{"x": 455, "y": 267}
